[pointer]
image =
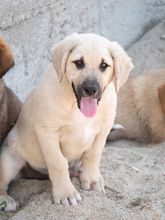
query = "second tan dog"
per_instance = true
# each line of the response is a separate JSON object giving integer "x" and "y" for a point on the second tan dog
{"x": 141, "y": 108}
{"x": 67, "y": 118}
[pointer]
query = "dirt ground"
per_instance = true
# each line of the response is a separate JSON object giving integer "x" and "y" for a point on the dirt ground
{"x": 134, "y": 173}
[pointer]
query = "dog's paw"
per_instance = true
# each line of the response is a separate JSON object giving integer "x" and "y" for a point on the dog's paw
{"x": 67, "y": 196}
{"x": 92, "y": 181}
{"x": 8, "y": 204}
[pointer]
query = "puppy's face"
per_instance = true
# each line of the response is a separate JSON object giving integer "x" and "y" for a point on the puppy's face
{"x": 89, "y": 69}
{"x": 6, "y": 58}
{"x": 90, "y": 63}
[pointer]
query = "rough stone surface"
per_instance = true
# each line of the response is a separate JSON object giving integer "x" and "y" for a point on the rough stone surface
{"x": 127, "y": 21}
{"x": 148, "y": 53}
{"x": 134, "y": 173}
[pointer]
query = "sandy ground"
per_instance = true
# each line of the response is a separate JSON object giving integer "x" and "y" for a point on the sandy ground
{"x": 134, "y": 173}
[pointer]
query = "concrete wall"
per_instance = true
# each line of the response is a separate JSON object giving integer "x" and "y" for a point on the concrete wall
{"x": 32, "y": 27}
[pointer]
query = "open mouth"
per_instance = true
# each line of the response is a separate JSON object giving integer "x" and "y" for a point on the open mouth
{"x": 87, "y": 105}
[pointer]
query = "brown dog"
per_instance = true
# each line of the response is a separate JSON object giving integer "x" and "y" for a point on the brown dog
{"x": 10, "y": 105}
{"x": 141, "y": 108}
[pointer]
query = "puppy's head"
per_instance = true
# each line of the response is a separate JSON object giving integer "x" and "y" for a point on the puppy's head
{"x": 6, "y": 58}
{"x": 90, "y": 63}
{"x": 161, "y": 95}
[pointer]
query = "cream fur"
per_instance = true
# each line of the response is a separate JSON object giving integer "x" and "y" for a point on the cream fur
{"x": 141, "y": 108}
{"x": 52, "y": 133}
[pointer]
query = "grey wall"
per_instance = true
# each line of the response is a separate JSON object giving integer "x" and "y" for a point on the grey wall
{"x": 32, "y": 27}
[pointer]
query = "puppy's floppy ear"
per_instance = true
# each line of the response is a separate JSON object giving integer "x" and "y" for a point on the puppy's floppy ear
{"x": 161, "y": 95}
{"x": 122, "y": 64}
{"x": 6, "y": 58}
{"x": 60, "y": 53}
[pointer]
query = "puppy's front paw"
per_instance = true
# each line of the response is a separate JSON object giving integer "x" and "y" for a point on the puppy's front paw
{"x": 10, "y": 205}
{"x": 67, "y": 195}
{"x": 92, "y": 181}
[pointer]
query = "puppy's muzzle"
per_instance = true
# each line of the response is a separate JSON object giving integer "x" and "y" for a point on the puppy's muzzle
{"x": 88, "y": 95}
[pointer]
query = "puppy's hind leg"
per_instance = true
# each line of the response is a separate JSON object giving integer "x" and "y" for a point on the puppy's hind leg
{"x": 10, "y": 165}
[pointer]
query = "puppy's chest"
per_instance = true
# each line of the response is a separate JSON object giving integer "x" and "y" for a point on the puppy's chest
{"x": 77, "y": 136}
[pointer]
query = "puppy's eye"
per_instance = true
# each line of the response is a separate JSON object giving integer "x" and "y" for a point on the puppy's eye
{"x": 103, "y": 66}
{"x": 79, "y": 63}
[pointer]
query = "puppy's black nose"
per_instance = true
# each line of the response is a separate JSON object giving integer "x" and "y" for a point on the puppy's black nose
{"x": 90, "y": 90}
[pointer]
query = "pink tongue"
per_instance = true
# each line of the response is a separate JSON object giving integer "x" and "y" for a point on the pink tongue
{"x": 88, "y": 106}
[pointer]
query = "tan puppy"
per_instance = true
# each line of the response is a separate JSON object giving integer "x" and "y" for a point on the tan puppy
{"x": 67, "y": 118}
{"x": 10, "y": 105}
{"x": 141, "y": 108}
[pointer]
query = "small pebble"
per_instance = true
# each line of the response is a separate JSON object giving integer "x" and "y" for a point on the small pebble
{"x": 135, "y": 168}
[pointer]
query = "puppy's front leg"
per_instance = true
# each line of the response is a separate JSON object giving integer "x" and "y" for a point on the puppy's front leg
{"x": 63, "y": 190}
{"x": 90, "y": 177}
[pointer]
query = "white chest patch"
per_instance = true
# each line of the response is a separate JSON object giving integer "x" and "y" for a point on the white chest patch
{"x": 78, "y": 134}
